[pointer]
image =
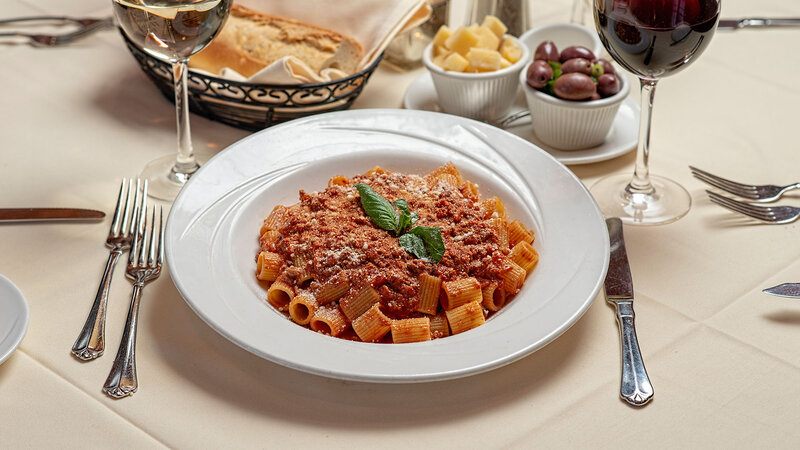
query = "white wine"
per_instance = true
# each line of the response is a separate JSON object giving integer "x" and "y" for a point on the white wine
{"x": 171, "y": 29}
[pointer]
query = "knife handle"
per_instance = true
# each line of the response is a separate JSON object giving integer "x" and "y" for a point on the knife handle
{"x": 635, "y": 388}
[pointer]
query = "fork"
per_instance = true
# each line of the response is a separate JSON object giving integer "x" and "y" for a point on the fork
{"x": 770, "y": 214}
{"x": 91, "y": 340}
{"x": 55, "y": 40}
{"x": 757, "y": 193}
{"x": 82, "y": 21}
{"x": 144, "y": 265}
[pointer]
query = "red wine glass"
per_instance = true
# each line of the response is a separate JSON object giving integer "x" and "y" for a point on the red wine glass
{"x": 651, "y": 39}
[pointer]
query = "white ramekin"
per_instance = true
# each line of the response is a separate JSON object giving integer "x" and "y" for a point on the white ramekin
{"x": 572, "y": 125}
{"x": 483, "y": 96}
{"x": 563, "y": 35}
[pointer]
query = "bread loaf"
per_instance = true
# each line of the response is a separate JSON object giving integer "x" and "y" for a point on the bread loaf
{"x": 250, "y": 41}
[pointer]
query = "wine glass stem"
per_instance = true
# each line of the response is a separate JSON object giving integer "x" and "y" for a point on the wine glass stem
{"x": 640, "y": 184}
{"x": 186, "y": 164}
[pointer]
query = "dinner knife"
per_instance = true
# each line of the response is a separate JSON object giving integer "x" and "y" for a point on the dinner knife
{"x": 45, "y": 214}
{"x": 635, "y": 387}
{"x": 735, "y": 24}
{"x": 791, "y": 290}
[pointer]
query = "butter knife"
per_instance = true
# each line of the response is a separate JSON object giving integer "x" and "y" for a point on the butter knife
{"x": 635, "y": 387}
{"x": 43, "y": 214}
{"x": 735, "y": 24}
{"x": 791, "y": 290}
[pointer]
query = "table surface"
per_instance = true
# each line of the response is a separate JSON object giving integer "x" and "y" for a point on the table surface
{"x": 723, "y": 357}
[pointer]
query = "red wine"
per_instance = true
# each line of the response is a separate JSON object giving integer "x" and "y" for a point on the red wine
{"x": 655, "y": 38}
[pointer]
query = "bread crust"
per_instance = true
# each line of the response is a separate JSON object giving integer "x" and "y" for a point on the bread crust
{"x": 251, "y": 40}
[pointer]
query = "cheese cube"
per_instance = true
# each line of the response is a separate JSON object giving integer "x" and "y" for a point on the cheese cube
{"x": 441, "y": 36}
{"x": 483, "y": 60}
{"x": 505, "y": 63}
{"x": 439, "y": 50}
{"x": 511, "y": 50}
{"x": 487, "y": 39}
{"x": 461, "y": 40}
{"x": 455, "y": 62}
{"x": 494, "y": 24}
{"x": 439, "y": 59}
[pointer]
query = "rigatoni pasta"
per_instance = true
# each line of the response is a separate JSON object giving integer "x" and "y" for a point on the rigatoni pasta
{"x": 335, "y": 268}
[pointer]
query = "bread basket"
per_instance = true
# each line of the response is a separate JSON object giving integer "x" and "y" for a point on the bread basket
{"x": 252, "y": 106}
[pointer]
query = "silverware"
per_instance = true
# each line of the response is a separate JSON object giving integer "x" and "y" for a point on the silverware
{"x": 753, "y": 192}
{"x": 508, "y": 120}
{"x": 770, "y": 214}
{"x": 82, "y": 21}
{"x": 635, "y": 387}
{"x": 47, "y": 214}
{"x": 735, "y": 24}
{"x": 54, "y": 40}
{"x": 791, "y": 290}
{"x": 144, "y": 265}
{"x": 91, "y": 341}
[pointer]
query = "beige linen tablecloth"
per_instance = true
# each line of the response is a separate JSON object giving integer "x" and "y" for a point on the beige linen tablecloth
{"x": 723, "y": 357}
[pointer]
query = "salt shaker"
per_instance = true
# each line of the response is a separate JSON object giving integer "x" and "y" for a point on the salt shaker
{"x": 513, "y": 13}
{"x": 405, "y": 50}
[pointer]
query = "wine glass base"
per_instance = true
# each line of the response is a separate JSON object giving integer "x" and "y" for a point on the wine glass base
{"x": 668, "y": 202}
{"x": 164, "y": 183}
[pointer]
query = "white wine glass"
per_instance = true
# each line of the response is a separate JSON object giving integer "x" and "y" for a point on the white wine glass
{"x": 172, "y": 30}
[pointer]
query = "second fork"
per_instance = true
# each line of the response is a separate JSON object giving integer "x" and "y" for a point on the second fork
{"x": 145, "y": 261}
{"x": 91, "y": 340}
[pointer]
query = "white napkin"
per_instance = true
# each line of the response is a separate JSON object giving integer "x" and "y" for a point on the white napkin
{"x": 373, "y": 23}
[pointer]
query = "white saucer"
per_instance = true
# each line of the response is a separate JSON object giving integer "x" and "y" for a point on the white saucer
{"x": 14, "y": 317}
{"x": 622, "y": 138}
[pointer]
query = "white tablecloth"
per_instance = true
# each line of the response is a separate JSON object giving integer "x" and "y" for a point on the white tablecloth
{"x": 723, "y": 357}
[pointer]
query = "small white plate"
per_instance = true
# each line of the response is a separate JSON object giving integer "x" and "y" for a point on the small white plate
{"x": 212, "y": 238}
{"x": 623, "y": 137}
{"x": 14, "y": 318}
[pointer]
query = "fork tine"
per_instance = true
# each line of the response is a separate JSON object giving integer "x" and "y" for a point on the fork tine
{"x": 756, "y": 212}
{"x": 135, "y": 205}
{"x": 740, "y": 210}
{"x": 137, "y": 237}
{"x": 161, "y": 237}
{"x": 151, "y": 254}
{"x": 722, "y": 183}
{"x": 118, "y": 210}
{"x": 143, "y": 232}
{"x": 129, "y": 208}
{"x": 750, "y": 192}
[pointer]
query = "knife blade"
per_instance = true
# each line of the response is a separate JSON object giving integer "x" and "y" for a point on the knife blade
{"x": 791, "y": 290}
{"x": 735, "y": 24}
{"x": 635, "y": 387}
{"x": 45, "y": 214}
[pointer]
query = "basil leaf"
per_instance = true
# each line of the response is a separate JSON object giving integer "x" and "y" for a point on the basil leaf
{"x": 402, "y": 205}
{"x": 414, "y": 245}
{"x": 404, "y": 220}
{"x": 432, "y": 236}
{"x": 377, "y": 208}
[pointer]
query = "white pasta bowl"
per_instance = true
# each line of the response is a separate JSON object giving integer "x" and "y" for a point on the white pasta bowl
{"x": 485, "y": 96}
{"x": 568, "y": 124}
{"x": 212, "y": 236}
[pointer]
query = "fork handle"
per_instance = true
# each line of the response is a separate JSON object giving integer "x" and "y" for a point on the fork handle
{"x": 91, "y": 341}
{"x": 635, "y": 387}
{"x": 121, "y": 380}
